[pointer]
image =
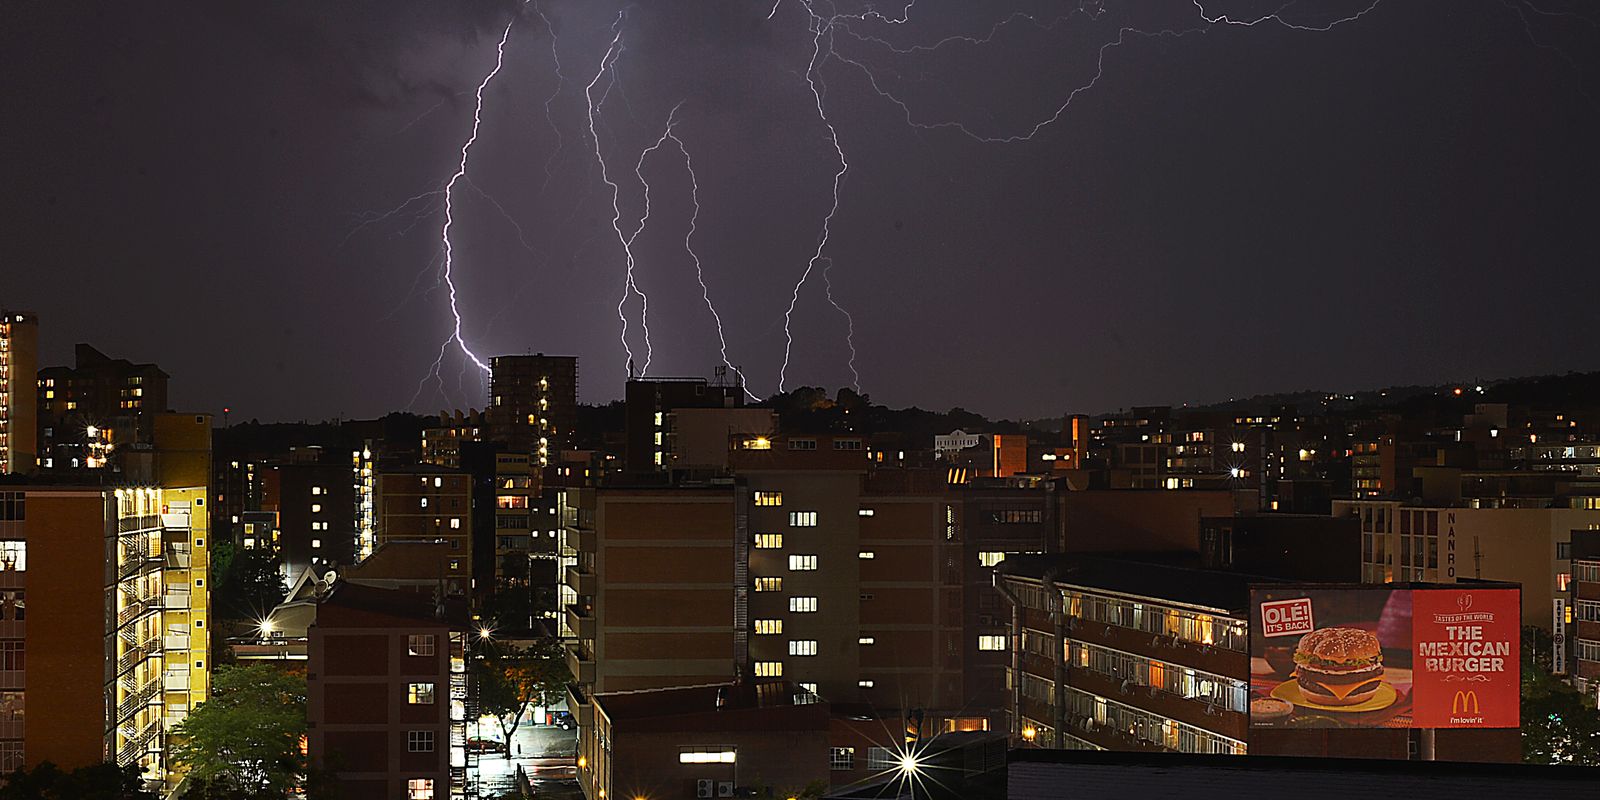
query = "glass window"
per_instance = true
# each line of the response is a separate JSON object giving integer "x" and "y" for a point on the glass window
{"x": 420, "y": 645}
{"x": 769, "y": 669}
{"x": 769, "y": 584}
{"x": 419, "y": 741}
{"x": 769, "y": 627}
{"x": 14, "y": 555}
{"x": 420, "y": 694}
{"x": 992, "y": 642}
{"x": 803, "y": 647}
{"x": 419, "y": 789}
{"x": 989, "y": 558}
{"x": 708, "y": 754}
{"x": 769, "y": 498}
{"x": 803, "y": 519}
{"x": 798, "y": 563}
{"x": 802, "y": 605}
{"x": 769, "y": 541}
{"x": 841, "y": 758}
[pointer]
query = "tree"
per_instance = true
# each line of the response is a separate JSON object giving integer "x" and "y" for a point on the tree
{"x": 1558, "y": 725}
{"x": 247, "y": 736}
{"x": 248, "y": 583}
{"x": 98, "y": 782}
{"x": 512, "y": 680}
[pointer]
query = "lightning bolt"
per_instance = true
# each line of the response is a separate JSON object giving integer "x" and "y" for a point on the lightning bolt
{"x": 688, "y": 246}
{"x": 629, "y": 287}
{"x": 820, "y": 29}
{"x": 449, "y": 209}
{"x": 561, "y": 82}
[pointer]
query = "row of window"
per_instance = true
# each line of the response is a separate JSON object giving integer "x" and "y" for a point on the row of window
{"x": 1183, "y": 681}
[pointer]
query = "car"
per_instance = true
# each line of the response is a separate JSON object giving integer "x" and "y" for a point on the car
{"x": 563, "y": 720}
{"x": 480, "y": 745}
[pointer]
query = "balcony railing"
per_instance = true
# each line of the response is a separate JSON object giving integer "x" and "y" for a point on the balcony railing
{"x": 138, "y": 699}
{"x": 131, "y": 751}
{"x": 137, "y": 609}
{"x": 137, "y": 653}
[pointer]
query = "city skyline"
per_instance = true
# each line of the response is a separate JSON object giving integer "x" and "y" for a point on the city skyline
{"x": 1385, "y": 183}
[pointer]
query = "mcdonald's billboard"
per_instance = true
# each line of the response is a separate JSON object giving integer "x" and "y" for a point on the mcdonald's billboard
{"x": 1444, "y": 656}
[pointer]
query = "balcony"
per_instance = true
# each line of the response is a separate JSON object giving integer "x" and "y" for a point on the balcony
{"x": 138, "y": 743}
{"x": 581, "y": 663}
{"x": 139, "y": 699}
{"x": 581, "y": 581}
{"x": 177, "y": 600}
{"x": 175, "y": 642}
{"x": 137, "y": 609}
{"x": 581, "y": 620}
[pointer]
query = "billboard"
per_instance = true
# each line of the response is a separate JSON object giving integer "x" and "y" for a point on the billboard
{"x": 1376, "y": 657}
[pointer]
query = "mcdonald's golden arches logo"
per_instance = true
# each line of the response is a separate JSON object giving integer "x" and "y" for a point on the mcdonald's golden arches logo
{"x": 1464, "y": 702}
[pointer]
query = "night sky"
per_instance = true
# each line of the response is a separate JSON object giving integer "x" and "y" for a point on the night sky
{"x": 1410, "y": 197}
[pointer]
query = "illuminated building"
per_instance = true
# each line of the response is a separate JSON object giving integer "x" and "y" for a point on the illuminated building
{"x": 1530, "y": 546}
{"x": 649, "y": 402}
{"x": 533, "y": 404}
{"x": 441, "y": 444}
{"x": 97, "y": 405}
{"x": 364, "y": 481}
{"x": 1579, "y": 616}
{"x": 388, "y": 696}
{"x": 316, "y": 507}
{"x": 1132, "y": 655}
{"x": 19, "y": 362}
{"x": 90, "y": 570}
{"x": 424, "y": 503}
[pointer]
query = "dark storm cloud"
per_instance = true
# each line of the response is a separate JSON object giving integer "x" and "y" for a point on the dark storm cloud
{"x": 1405, "y": 198}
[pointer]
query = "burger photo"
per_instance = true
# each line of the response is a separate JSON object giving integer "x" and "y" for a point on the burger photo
{"x": 1338, "y": 666}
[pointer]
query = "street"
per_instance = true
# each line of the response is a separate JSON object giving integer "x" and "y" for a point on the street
{"x": 546, "y": 753}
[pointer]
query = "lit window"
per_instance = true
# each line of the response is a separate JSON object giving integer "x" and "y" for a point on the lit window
{"x": 803, "y": 519}
{"x": 803, "y": 647}
{"x": 419, "y": 741}
{"x": 803, "y": 605}
{"x": 867, "y": 554}
{"x": 989, "y": 558}
{"x": 420, "y": 645}
{"x": 437, "y": 482}
{"x": 14, "y": 555}
{"x": 769, "y": 627}
{"x": 455, "y": 522}
{"x": 992, "y": 642}
{"x": 769, "y": 584}
{"x": 864, "y": 684}
{"x": 769, "y": 541}
{"x": 419, "y": 789}
{"x": 802, "y": 563}
{"x": 769, "y": 669}
{"x": 314, "y": 489}
{"x": 424, "y": 502}
{"x": 419, "y": 694}
{"x": 865, "y": 512}
{"x": 316, "y": 508}
{"x": 316, "y": 543}
{"x": 708, "y": 754}
{"x": 769, "y": 498}
{"x": 810, "y": 687}
{"x": 866, "y": 640}
{"x": 841, "y": 758}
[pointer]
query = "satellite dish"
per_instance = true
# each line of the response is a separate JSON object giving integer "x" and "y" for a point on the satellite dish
{"x": 330, "y": 577}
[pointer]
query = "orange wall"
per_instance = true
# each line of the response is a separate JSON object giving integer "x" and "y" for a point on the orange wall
{"x": 65, "y": 642}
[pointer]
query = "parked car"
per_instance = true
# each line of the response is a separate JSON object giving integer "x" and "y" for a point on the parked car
{"x": 563, "y": 720}
{"x": 480, "y": 745}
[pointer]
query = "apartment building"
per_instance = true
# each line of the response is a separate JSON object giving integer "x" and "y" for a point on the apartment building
{"x": 533, "y": 404}
{"x": 315, "y": 518}
{"x": 19, "y": 413}
{"x": 442, "y": 443}
{"x": 388, "y": 695}
{"x": 1530, "y": 546}
{"x": 1577, "y": 616}
{"x": 94, "y": 406}
{"x": 423, "y": 503}
{"x": 119, "y": 572}
{"x": 648, "y": 403}
{"x": 1118, "y": 655}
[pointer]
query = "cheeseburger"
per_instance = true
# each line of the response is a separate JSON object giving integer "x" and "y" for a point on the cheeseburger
{"x": 1338, "y": 666}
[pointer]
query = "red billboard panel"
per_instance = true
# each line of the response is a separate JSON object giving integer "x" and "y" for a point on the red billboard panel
{"x": 1384, "y": 658}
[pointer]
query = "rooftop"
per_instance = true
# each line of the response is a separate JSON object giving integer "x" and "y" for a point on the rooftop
{"x": 1216, "y": 590}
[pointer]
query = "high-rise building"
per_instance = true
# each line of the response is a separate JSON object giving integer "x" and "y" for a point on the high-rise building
{"x": 316, "y": 515}
{"x": 19, "y": 363}
{"x": 89, "y": 410}
{"x": 102, "y": 622}
{"x": 533, "y": 403}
